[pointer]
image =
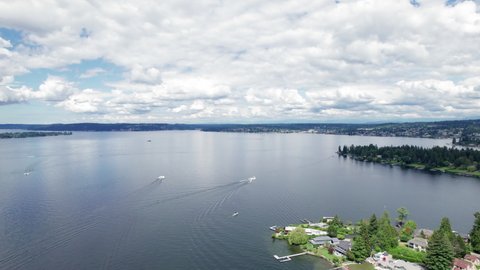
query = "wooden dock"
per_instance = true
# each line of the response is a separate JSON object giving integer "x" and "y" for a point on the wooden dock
{"x": 289, "y": 257}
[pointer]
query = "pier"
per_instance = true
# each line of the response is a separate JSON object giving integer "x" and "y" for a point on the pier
{"x": 289, "y": 257}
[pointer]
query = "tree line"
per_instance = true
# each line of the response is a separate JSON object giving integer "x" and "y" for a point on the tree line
{"x": 435, "y": 157}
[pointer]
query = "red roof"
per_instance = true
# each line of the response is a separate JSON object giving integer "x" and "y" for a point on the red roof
{"x": 462, "y": 264}
{"x": 471, "y": 258}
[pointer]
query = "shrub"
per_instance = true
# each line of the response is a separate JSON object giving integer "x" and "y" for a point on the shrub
{"x": 407, "y": 254}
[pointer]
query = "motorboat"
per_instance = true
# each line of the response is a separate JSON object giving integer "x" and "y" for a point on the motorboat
{"x": 251, "y": 179}
{"x": 235, "y": 214}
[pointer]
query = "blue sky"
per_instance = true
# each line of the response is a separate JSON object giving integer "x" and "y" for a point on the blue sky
{"x": 251, "y": 61}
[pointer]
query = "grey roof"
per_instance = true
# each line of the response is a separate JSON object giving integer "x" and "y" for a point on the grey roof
{"x": 427, "y": 232}
{"x": 345, "y": 245}
{"x": 320, "y": 240}
{"x": 419, "y": 242}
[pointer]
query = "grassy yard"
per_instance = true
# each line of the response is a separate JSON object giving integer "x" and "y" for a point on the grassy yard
{"x": 363, "y": 266}
{"x": 324, "y": 252}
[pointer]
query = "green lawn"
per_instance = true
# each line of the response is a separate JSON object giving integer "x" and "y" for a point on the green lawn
{"x": 363, "y": 266}
{"x": 324, "y": 252}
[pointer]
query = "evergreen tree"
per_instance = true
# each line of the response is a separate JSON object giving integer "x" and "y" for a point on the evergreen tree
{"x": 439, "y": 252}
{"x": 475, "y": 234}
{"x": 360, "y": 250}
{"x": 459, "y": 247}
{"x": 373, "y": 225}
{"x": 372, "y": 230}
{"x": 334, "y": 226}
{"x": 364, "y": 233}
{"x": 446, "y": 228}
{"x": 386, "y": 237}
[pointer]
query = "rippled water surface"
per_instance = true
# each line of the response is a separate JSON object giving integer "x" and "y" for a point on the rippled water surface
{"x": 90, "y": 200}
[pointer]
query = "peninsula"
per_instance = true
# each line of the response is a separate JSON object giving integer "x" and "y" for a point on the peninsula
{"x": 465, "y": 162}
{"x": 27, "y": 134}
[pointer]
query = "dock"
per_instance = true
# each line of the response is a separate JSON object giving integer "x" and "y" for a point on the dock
{"x": 289, "y": 257}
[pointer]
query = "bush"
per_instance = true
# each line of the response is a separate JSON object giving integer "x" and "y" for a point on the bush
{"x": 407, "y": 254}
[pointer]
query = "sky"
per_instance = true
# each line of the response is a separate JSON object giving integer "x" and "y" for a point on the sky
{"x": 216, "y": 61}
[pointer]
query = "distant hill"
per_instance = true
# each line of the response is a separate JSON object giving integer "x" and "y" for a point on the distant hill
{"x": 465, "y": 132}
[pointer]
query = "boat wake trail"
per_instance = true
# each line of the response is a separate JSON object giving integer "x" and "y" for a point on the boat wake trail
{"x": 204, "y": 232}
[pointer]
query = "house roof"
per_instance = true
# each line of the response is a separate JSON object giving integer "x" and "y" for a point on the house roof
{"x": 322, "y": 238}
{"x": 419, "y": 242}
{"x": 345, "y": 245}
{"x": 471, "y": 258}
{"x": 427, "y": 232}
{"x": 462, "y": 264}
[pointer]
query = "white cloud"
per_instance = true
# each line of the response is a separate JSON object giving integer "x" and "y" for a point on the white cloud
{"x": 94, "y": 72}
{"x": 54, "y": 89}
{"x": 293, "y": 59}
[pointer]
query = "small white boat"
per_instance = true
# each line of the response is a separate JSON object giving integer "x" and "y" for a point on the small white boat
{"x": 251, "y": 179}
{"x": 235, "y": 214}
{"x": 161, "y": 177}
{"x": 26, "y": 173}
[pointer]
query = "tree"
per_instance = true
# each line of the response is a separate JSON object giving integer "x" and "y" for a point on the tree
{"x": 402, "y": 215}
{"x": 334, "y": 226}
{"x": 297, "y": 236}
{"x": 439, "y": 252}
{"x": 372, "y": 230}
{"x": 422, "y": 235}
{"x": 386, "y": 237}
{"x": 407, "y": 231}
{"x": 364, "y": 233}
{"x": 360, "y": 250}
{"x": 446, "y": 228}
{"x": 459, "y": 247}
{"x": 475, "y": 234}
{"x": 373, "y": 225}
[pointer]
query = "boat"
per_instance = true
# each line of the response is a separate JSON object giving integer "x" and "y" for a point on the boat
{"x": 251, "y": 179}
{"x": 161, "y": 177}
{"x": 26, "y": 173}
{"x": 273, "y": 228}
{"x": 235, "y": 214}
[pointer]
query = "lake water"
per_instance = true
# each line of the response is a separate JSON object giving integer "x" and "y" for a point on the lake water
{"x": 91, "y": 200}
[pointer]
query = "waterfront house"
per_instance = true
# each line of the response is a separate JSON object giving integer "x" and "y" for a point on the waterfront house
{"x": 473, "y": 259}
{"x": 327, "y": 219}
{"x": 321, "y": 240}
{"x": 418, "y": 244}
{"x": 426, "y": 232}
{"x": 321, "y": 225}
{"x": 308, "y": 231}
{"x": 343, "y": 247}
{"x": 459, "y": 264}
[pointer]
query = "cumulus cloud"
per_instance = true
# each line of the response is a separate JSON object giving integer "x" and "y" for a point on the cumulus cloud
{"x": 293, "y": 59}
